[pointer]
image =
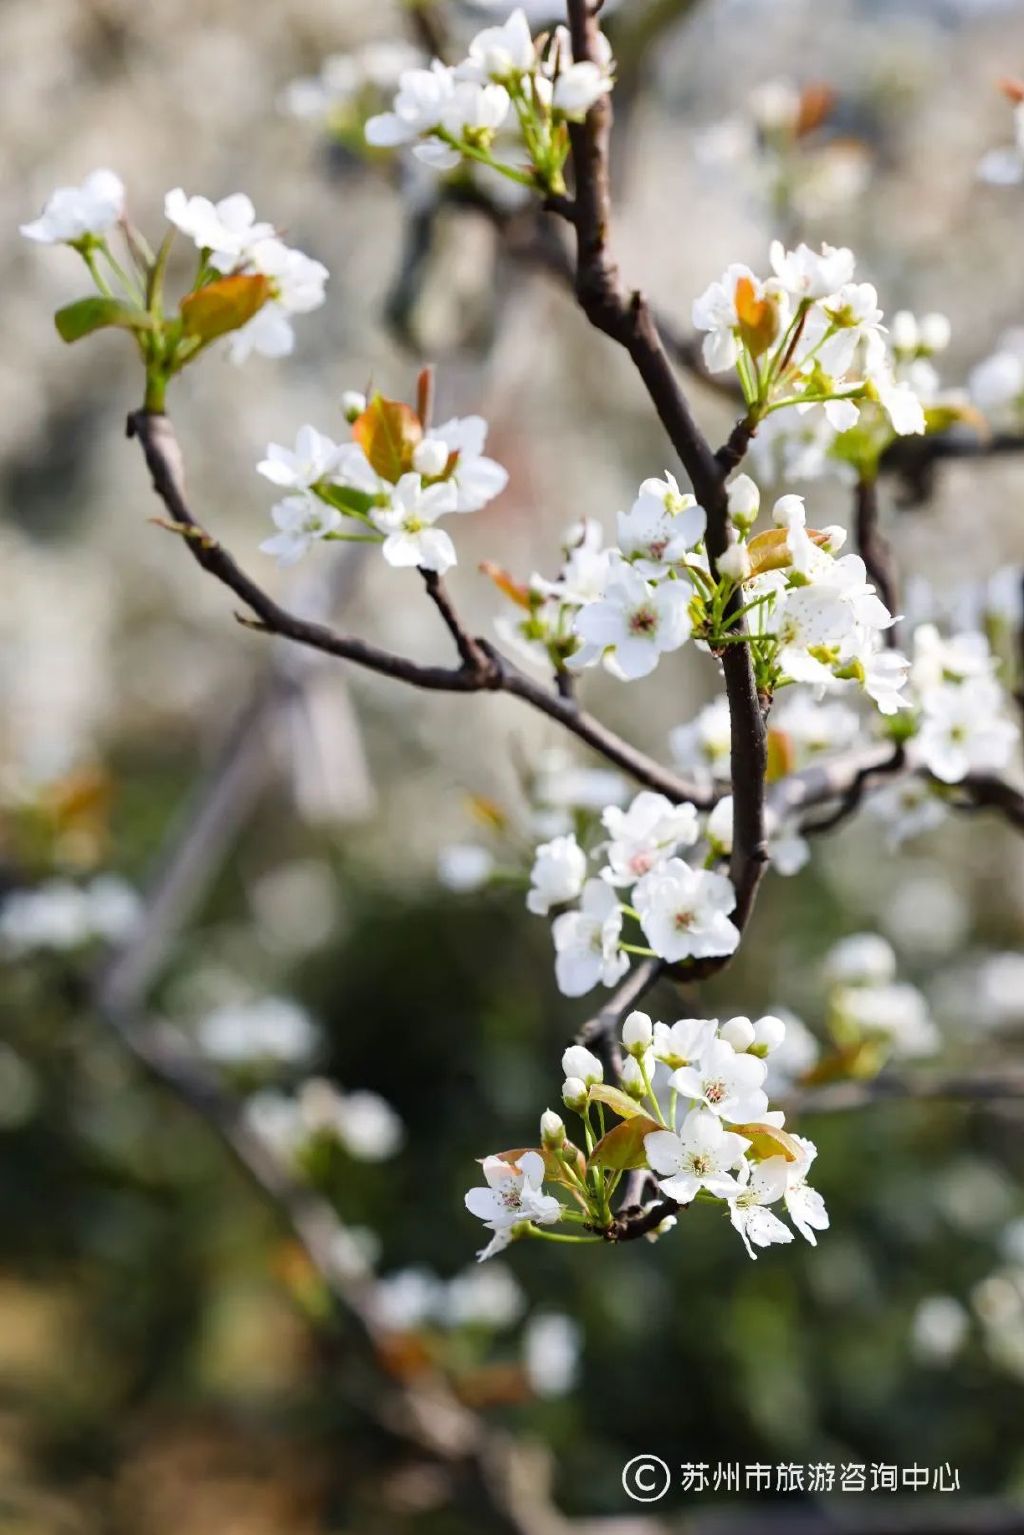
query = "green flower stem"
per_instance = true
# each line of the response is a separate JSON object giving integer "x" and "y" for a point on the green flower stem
{"x": 129, "y": 284}
{"x": 484, "y": 157}
{"x": 97, "y": 276}
{"x": 635, "y": 948}
{"x": 650, "y": 1090}
{"x": 557, "y": 1236}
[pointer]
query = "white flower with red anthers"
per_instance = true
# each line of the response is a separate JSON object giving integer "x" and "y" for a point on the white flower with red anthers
{"x": 650, "y": 830}
{"x": 726, "y": 1081}
{"x": 684, "y": 912}
{"x": 512, "y": 1195}
{"x": 702, "y": 1156}
{"x": 633, "y": 624}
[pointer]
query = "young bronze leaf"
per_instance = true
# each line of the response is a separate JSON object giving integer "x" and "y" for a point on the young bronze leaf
{"x": 388, "y": 431}
{"x": 223, "y": 306}
{"x": 758, "y": 317}
{"x": 554, "y": 1168}
{"x": 622, "y": 1148}
{"x": 781, "y": 756}
{"x": 88, "y": 314}
{"x": 766, "y": 1141}
{"x": 770, "y": 551}
{"x": 623, "y": 1105}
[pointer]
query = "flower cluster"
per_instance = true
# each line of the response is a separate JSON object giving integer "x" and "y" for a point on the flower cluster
{"x": 870, "y": 1015}
{"x": 782, "y": 149}
{"x": 692, "y": 1110}
{"x": 392, "y": 482}
{"x": 682, "y": 910}
{"x": 813, "y": 617}
{"x": 807, "y": 336}
{"x": 802, "y": 729}
{"x": 511, "y": 93}
{"x": 60, "y": 917}
{"x": 363, "y": 1123}
{"x": 247, "y": 285}
{"x": 349, "y": 86}
{"x": 962, "y": 719}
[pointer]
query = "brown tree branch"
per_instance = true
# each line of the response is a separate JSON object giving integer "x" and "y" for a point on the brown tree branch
{"x": 626, "y": 318}
{"x": 487, "y": 672}
{"x": 873, "y": 548}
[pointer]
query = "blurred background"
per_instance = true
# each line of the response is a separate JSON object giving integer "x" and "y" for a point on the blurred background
{"x": 170, "y": 1359}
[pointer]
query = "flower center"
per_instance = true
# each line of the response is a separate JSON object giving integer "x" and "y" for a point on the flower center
{"x": 714, "y": 1092}
{"x": 683, "y": 920}
{"x": 700, "y": 1163}
{"x": 643, "y": 621}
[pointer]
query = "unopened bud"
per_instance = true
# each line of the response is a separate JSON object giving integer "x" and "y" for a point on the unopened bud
{"x": 734, "y": 562}
{"x": 352, "y": 404}
{"x": 633, "y": 1078}
{"x": 552, "y": 1130}
{"x": 769, "y": 1032}
{"x": 744, "y": 502}
{"x": 738, "y": 1032}
{"x": 637, "y": 1033}
{"x": 935, "y": 332}
{"x": 429, "y": 457}
{"x": 904, "y": 332}
{"x": 578, "y": 1061}
{"x": 574, "y": 1092}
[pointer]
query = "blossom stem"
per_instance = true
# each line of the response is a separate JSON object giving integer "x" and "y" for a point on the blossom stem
{"x": 557, "y": 1236}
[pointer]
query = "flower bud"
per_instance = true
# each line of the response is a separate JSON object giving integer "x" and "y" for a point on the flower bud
{"x": 935, "y": 332}
{"x": 574, "y": 1092}
{"x": 734, "y": 562}
{"x": 836, "y": 537}
{"x": 788, "y": 512}
{"x": 738, "y": 1032}
{"x": 769, "y": 1032}
{"x": 552, "y": 1130}
{"x": 633, "y": 1078}
{"x": 578, "y": 1061}
{"x": 430, "y": 457}
{"x": 352, "y": 404}
{"x": 637, "y": 1033}
{"x": 744, "y": 502}
{"x": 903, "y": 331}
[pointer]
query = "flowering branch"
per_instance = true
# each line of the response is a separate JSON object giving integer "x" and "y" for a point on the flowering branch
{"x": 487, "y": 672}
{"x": 628, "y": 320}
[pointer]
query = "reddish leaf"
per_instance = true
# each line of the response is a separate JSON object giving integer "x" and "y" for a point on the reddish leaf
{"x": 223, "y": 306}
{"x": 816, "y": 102}
{"x": 769, "y": 550}
{"x": 388, "y": 431}
{"x": 623, "y": 1147}
{"x": 758, "y": 318}
{"x": 517, "y": 590}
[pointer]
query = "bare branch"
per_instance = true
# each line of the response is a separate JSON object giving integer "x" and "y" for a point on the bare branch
{"x": 872, "y": 547}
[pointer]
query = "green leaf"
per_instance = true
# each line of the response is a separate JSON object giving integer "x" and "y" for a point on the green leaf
{"x": 388, "y": 432}
{"x": 622, "y": 1149}
{"x": 355, "y": 503}
{"x": 224, "y": 305}
{"x": 622, "y": 1104}
{"x": 88, "y": 314}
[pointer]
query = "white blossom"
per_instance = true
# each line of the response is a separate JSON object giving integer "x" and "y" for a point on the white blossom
{"x": 314, "y": 458}
{"x": 633, "y": 624}
{"x": 408, "y": 523}
{"x": 684, "y": 912}
{"x": 804, "y": 1205}
{"x": 759, "y": 1185}
{"x": 559, "y": 871}
{"x": 650, "y": 830}
{"x": 227, "y": 229}
{"x": 73, "y": 214}
{"x": 301, "y": 522}
{"x": 587, "y": 942}
{"x": 727, "y": 1082}
{"x": 702, "y": 1155}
